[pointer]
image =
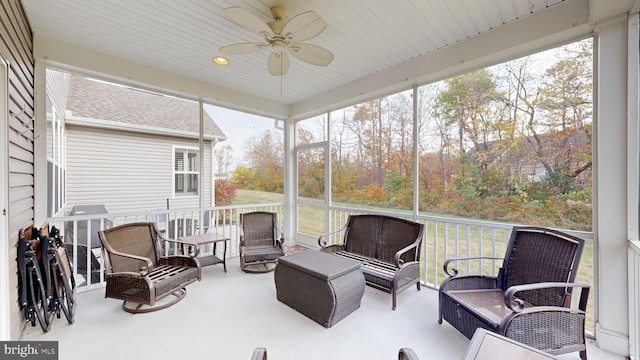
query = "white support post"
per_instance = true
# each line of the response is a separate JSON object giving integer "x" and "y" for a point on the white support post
{"x": 633, "y": 179}
{"x": 290, "y": 181}
{"x": 610, "y": 185}
{"x": 5, "y": 308}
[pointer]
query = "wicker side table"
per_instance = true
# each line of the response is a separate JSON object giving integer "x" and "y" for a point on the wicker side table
{"x": 324, "y": 287}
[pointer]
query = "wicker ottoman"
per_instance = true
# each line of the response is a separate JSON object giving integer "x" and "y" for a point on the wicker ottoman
{"x": 324, "y": 287}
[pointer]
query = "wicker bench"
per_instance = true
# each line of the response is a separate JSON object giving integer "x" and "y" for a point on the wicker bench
{"x": 388, "y": 249}
{"x": 323, "y": 287}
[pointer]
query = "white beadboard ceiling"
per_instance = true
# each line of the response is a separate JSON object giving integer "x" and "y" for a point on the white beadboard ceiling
{"x": 366, "y": 36}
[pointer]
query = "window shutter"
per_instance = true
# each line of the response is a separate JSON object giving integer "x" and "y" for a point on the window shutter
{"x": 179, "y": 160}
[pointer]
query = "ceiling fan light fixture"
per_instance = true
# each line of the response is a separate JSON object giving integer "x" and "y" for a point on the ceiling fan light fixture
{"x": 220, "y": 60}
{"x": 280, "y": 36}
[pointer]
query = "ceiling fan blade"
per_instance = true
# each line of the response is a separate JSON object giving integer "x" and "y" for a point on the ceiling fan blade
{"x": 278, "y": 63}
{"x": 249, "y": 21}
{"x": 304, "y": 26}
{"x": 311, "y": 54}
{"x": 242, "y": 48}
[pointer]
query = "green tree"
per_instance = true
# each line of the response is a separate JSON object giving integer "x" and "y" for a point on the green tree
{"x": 263, "y": 167}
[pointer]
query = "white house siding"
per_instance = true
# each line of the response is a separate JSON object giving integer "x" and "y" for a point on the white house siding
{"x": 127, "y": 171}
{"x": 16, "y": 48}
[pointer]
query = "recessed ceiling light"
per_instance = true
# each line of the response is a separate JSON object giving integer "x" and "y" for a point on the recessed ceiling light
{"x": 220, "y": 60}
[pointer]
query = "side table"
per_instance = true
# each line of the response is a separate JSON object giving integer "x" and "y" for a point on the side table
{"x": 210, "y": 238}
{"x": 324, "y": 287}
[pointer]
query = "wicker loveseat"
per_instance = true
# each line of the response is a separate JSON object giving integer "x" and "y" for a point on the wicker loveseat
{"x": 138, "y": 273}
{"x": 387, "y": 247}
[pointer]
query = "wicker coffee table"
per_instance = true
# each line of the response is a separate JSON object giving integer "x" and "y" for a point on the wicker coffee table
{"x": 324, "y": 287}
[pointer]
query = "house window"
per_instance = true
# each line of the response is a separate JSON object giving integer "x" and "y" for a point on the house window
{"x": 55, "y": 161}
{"x": 185, "y": 171}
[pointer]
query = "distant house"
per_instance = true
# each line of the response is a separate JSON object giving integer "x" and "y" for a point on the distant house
{"x": 523, "y": 159}
{"x": 132, "y": 150}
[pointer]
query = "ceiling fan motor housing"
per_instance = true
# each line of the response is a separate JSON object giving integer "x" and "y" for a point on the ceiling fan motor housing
{"x": 280, "y": 36}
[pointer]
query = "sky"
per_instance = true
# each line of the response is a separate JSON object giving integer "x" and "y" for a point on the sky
{"x": 239, "y": 127}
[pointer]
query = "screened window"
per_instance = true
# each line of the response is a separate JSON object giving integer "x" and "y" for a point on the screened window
{"x": 55, "y": 161}
{"x": 185, "y": 171}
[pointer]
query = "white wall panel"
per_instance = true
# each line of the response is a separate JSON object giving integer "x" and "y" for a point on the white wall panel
{"x": 126, "y": 171}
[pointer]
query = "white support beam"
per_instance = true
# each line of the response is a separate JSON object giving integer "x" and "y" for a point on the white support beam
{"x": 5, "y": 259}
{"x": 87, "y": 62}
{"x": 40, "y": 206}
{"x": 290, "y": 180}
{"x": 610, "y": 186}
{"x": 633, "y": 179}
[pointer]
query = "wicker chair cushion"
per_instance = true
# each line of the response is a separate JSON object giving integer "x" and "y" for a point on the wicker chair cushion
{"x": 166, "y": 278}
{"x": 262, "y": 253}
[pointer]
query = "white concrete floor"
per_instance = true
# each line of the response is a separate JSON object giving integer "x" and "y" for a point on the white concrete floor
{"x": 226, "y": 316}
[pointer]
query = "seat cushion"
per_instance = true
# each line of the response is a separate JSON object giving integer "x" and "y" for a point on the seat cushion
{"x": 168, "y": 278}
{"x": 262, "y": 253}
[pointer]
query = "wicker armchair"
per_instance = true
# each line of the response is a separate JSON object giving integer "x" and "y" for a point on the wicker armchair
{"x": 260, "y": 242}
{"x": 530, "y": 299}
{"x": 136, "y": 271}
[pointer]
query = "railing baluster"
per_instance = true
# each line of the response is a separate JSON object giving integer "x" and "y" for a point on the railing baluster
{"x": 437, "y": 231}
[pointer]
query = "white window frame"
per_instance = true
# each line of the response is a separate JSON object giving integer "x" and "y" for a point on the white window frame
{"x": 196, "y": 172}
{"x": 58, "y": 159}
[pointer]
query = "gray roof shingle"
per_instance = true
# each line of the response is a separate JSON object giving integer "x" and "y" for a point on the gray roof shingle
{"x": 99, "y": 100}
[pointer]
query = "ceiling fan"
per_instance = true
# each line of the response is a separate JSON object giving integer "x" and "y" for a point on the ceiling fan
{"x": 281, "y": 37}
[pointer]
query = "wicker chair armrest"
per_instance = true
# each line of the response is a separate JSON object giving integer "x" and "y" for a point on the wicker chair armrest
{"x": 541, "y": 318}
{"x": 144, "y": 270}
{"x": 332, "y": 248}
{"x": 445, "y": 266}
{"x": 468, "y": 282}
{"x": 409, "y": 264}
{"x": 517, "y": 305}
{"x": 408, "y": 270}
{"x": 124, "y": 274}
{"x": 406, "y": 249}
{"x": 323, "y": 243}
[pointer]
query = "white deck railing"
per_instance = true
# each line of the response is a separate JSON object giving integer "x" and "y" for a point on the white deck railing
{"x": 444, "y": 237}
{"x": 77, "y": 229}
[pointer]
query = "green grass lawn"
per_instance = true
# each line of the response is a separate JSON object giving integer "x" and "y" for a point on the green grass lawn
{"x": 246, "y": 197}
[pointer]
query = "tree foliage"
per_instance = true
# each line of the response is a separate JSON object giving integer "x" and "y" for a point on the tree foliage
{"x": 225, "y": 192}
{"x": 511, "y": 142}
{"x": 224, "y": 158}
{"x": 263, "y": 167}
